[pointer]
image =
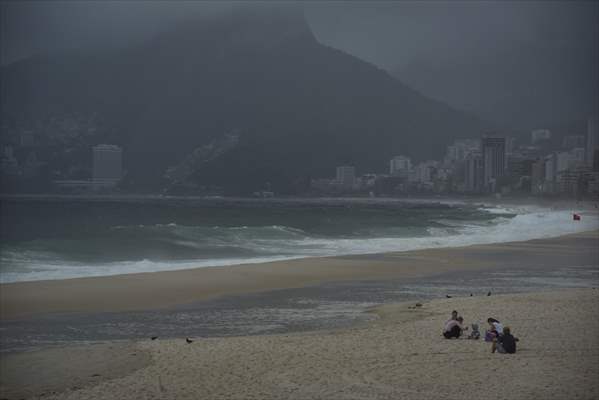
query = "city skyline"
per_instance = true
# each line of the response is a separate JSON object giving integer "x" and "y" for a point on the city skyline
{"x": 485, "y": 166}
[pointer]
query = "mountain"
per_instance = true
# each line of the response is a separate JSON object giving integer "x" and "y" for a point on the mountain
{"x": 526, "y": 85}
{"x": 296, "y": 107}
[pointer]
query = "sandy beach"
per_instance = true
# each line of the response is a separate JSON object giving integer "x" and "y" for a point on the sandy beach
{"x": 399, "y": 356}
{"x": 149, "y": 291}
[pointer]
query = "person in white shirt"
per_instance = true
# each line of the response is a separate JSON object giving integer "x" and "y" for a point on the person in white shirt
{"x": 495, "y": 329}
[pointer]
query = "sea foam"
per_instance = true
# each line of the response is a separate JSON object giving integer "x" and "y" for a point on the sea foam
{"x": 276, "y": 243}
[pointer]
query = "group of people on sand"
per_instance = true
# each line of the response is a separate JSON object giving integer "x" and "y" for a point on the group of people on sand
{"x": 501, "y": 337}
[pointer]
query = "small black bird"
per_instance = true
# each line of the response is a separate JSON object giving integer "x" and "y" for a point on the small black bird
{"x": 470, "y": 294}
{"x": 488, "y": 294}
{"x": 448, "y": 296}
{"x": 188, "y": 340}
{"x": 154, "y": 337}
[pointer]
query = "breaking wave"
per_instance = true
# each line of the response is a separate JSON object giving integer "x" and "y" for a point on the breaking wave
{"x": 173, "y": 246}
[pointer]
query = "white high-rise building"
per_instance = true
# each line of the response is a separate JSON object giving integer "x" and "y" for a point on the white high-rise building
{"x": 108, "y": 163}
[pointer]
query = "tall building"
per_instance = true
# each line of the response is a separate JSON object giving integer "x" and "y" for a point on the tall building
{"x": 577, "y": 156}
{"x": 592, "y": 140}
{"x": 400, "y": 165}
{"x": 538, "y": 176}
{"x": 346, "y": 175}
{"x": 423, "y": 172}
{"x": 452, "y": 154}
{"x": 563, "y": 161}
{"x": 461, "y": 148}
{"x": 473, "y": 168}
{"x": 108, "y": 163}
{"x": 494, "y": 163}
{"x": 519, "y": 165}
{"x": 551, "y": 170}
{"x": 510, "y": 145}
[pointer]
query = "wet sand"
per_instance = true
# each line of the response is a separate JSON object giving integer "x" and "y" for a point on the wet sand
{"x": 158, "y": 290}
{"x": 401, "y": 355}
{"x": 52, "y": 371}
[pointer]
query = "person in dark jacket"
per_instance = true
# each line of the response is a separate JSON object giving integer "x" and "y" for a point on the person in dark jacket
{"x": 505, "y": 343}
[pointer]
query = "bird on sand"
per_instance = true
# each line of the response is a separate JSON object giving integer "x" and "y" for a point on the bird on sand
{"x": 188, "y": 340}
{"x": 488, "y": 294}
{"x": 448, "y": 296}
{"x": 154, "y": 337}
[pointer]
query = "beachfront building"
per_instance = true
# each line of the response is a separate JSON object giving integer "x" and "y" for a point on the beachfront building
{"x": 460, "y": 149}
{"x": 473, "y": 173}
{"x": 424, "y": 172}
{"x": 400, "y": 166}
{"x": 494, "y": 163}
{"x": 537, "y": 177}
{"x": 592, "y": 147}
{"x": 107, "y": 164}
{"x": 519, "y": 171}
{"x": 346, "y": 175}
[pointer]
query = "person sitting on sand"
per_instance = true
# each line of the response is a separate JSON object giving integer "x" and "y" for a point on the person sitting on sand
{"x": 475, "y": 333}
{"x": 495, "y": 329}
{"x": 453, "y": 328}
{"x": 505, "y": 343}
{"x": 454, "y": 316}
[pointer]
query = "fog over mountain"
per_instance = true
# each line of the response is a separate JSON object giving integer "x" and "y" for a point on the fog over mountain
{"x": 524, "y": 85}
{"x": 245, "y": 100}
{"x": 520, "y": 64}
{"x": 255, "y": 95}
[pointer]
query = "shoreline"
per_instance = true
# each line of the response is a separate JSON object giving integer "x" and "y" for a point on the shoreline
{"x": 524, "y": 227}
{"x": 163, "y": 289}
{"x": 401, "y": 354}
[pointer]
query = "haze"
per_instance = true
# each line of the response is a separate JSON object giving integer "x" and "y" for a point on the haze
{"x": 428, "y": 45}
{"x": 389, "y": 34}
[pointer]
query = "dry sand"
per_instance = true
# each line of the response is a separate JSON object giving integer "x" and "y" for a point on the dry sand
{"x": 164, "y": 289}
{"x": 399, "y": 356}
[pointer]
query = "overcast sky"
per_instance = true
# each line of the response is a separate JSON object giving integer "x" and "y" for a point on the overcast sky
{"x": 388, "y": 34}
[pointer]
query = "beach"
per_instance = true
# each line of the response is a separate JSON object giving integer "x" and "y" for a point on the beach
{"x": 398, "y": 353}
{"x": 166, "y": 289}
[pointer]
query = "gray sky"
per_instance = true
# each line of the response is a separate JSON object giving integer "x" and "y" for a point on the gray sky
{"x": 388, "y": 34}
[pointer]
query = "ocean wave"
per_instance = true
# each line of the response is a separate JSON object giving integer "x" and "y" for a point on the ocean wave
{"x": 36, "y": 272}
{"x": 212, "y": 246}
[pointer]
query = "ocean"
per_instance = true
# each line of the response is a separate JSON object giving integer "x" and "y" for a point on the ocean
{"x": 57, "y": 238}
